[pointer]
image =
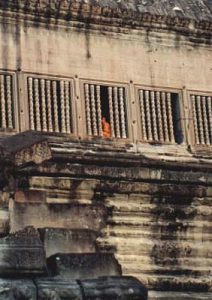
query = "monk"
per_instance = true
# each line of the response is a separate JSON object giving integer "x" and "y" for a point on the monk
{"x": 106, "y": 128}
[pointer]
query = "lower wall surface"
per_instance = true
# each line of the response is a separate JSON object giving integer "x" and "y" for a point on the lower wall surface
{"x": 155, "y": 219}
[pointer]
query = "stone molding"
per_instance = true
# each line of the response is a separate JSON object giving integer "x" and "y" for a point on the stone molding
{"x": 83, "y": 11}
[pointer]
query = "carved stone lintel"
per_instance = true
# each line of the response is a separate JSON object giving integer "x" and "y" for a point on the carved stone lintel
{"x": 24, "y": 148}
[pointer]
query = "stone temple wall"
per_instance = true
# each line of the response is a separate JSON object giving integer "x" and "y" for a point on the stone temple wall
{"x": 154, "y": 215}
{"x": 141, "y": 209}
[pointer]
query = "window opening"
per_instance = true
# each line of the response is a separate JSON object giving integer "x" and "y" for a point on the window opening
{"x": 160, "y": 117}
{"x": 106, "y": 111}
{"x": 202, "y": 118}
{"x": 7, "y": 118}
{"x": 50, "y": 105}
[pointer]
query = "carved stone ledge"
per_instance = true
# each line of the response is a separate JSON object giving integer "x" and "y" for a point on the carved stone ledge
{"x": 133, "y": 16}
{"x": 25, "y": 147}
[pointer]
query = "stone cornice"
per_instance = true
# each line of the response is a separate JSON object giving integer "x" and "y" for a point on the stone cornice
{"x": 73, "y": 10}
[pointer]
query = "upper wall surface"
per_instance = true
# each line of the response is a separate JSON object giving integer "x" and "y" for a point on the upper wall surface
{"x": 146, "y": 57}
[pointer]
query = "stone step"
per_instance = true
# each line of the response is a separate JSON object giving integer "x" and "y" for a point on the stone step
{"x": 156, "y": 295}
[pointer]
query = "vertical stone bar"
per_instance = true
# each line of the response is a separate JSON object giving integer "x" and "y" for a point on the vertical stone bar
{"x": 154, "y": 120}
{"x": 49, "y": 105}
{"x": 93, "y": 110}
{"x": 170, "y": 118}
{"x": 55, "y": 106}
{"x": 195, "y": 119}
{"x": 3, "y": 103}
{"x": 9, "y": 102}
{"x": 67, "y": 107}
{"x": 62, "y": 107}
{"x": 87, "y": 109}
{"x": 160, "y": 122}
{"x": 165, "y": 121}
{"x": 200, "y": 120}
{"x": 116, "y": 105}
{"x": 43, "y": 101}
{"x": 122, "y": 111}
{"x": 205, "y": 121}
{"x": 37, "y": 105}
{"x": 99, "y": 111}
{"x": 31, "y": 104}
{"x": 148, "y": 116}
{"x": 209, "y": 105}
{"x": 142, "y": 111}
{"x": 110, "y": 96}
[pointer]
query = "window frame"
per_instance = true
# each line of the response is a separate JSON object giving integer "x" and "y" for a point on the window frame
{"x": 191, "y": 130}
{"x": 177, "y": 91}
{"x": 107, "y": 83}
{"x": 25, "y": 76}
{"x": 15, "y": 102}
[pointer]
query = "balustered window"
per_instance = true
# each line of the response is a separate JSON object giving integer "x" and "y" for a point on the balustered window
{"x": 50, "y": 105}
{"x": 202, "y": 118}
{"x": 106, "y": 114}
{"x": 160, "y": 116}
{"x": 7, "y": 117}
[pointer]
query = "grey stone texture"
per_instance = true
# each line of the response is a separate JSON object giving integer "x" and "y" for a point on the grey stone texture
{"x": 49, "y": 289}
{"x": 22, "y": 253}
{"x": 83, "y": 266}
{"x": 17, "y": 290}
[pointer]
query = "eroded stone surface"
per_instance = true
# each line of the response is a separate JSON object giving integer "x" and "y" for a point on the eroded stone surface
{"x": 17, "y": 290}
{"x": 57, "y": 289}
{"x": 22, "y": 253}
{"x": 125, "y": 288}
{"x": 60, "y": 240}
{"x": 83, "y": 266}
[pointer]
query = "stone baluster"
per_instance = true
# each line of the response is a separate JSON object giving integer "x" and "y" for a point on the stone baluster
{"x": 62, "y": 107}
{"x": 142, "y": 112}
{"x": 122, "y": 111}
{"x": 93, "y": 110}
{"x": 87, "y": 108}
{"x": 205, "y": 121}
{"x": 37, "y": 105}
{"x": 165, "y": 121}
{"x": 43, "y": 101}
{"x": 99, "y": 111}
{"x": 200, "y": 120}
{"x": 3, "y": 103}
{"x": 154, "y": 120}
{"x": 148, "y": 116}
{"x": 31, "y": 104}
{"x": 9, "y": 102}
{"x": 55, "y": 106}
{"x": 110, "y": 95}
{"x": 209, "y": 104}
{"x": 67, "y": 107}
{"x": 159, "y": 114}
{"x": 116, "y": 105}
{"x": 195, "y": 119}
{"x": 170, "y": 118}
{"x": 49, "y": 105}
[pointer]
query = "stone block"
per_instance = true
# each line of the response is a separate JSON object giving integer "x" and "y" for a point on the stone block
{"x": 22, "y": 253}
{"x": 83, "y": 266}
{"x": 30, "y": 196}
{"x": 50, "y": 289}
{"x": 59, "y": 240}
{"x": 113, "y": 288}
{"x": 69, "y": 216}
{"x": 11, "y": 289}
